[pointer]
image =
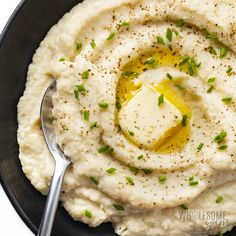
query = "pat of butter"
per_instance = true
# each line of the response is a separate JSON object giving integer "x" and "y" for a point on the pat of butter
{"x": 146, "y": 123}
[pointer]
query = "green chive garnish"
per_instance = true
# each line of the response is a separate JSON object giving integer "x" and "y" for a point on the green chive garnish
{"x": 118, "y": 104}
{"x": 160, "y": 40}
{"x": 219, "y": 234}
{"x": 211, "y": 80}
{"x": 118, "y": 207}
{"x": 111, "y": 36}
{"x": 180, "y": 87}
{"x": 94, "y": 180}
{"x": 111, "y": 170}
{"x": 105, "y": 149}
{"x": 103, "y": 105}
{"x": 223, "y": 147}
{"x": 226, "y": 99}
{"x": 162, "y": 179}
{"x": 129, "y": 180}
{"x": 85, "y": 74}
{"x": 93, "y": 125}
{"x": 88, "y": 214}
{"x": 86, "y": 115}
{"x": 183, "y": 206}
{"x": 200, "y": 146}
{"x": 220, "y": 137}
{"x": 223, "y": 52}
{"x": 140, "y": 157}
{"x": 124, "y": 23}
{"x": 147, "y": 171}
{"x": 161, "y": 99}
{"x": 79, "y": 45}
{"x": 193, "y": 183}
{"x": 131, "y": 133}
{"x": 212, "y": 50}
{"x": 133, "y": 169}
{"x": 62, "y": 59}
{"x": 212, "y": 36}
{"x": 209, "y": 90}
{"x": 184, "y": 120}
{"x": 229, "y": 70}
{"x": 183, "y": 60}
{"x": 150, "y": 61}
{"x": 169, "y": 34}
{"x": 129, "y": 73}
{"x": 219, "y": 199}
{"x": 169, "y": 76}
{"x": 93, "y": 44}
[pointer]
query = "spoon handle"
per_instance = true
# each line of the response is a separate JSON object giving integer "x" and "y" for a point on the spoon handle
{"x": 52, "y": 199}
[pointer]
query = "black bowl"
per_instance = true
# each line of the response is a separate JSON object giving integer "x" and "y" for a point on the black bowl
{"x": 25, "y": 30}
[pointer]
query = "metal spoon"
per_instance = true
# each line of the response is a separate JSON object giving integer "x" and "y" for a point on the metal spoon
{"x": 61, "y": 162}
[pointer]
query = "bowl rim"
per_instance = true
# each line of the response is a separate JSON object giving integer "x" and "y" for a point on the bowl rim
{"x": 3, "y": 182}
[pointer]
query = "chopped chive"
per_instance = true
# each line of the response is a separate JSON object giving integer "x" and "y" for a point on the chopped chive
{"x": 219, "y": 199}
{"x": 223, "y": 52}
{"x": 212, "y": 50}
{"x": 209, "y": 90}
{"x": 111, "y": 170}
{"x": 93, "y": 125}
{"x": 129, "y": 180}
{"x": 147, "y": 171}
{"x": 94, "y": 180}
{"x": 180, "y": 87}
{"x": 85, "y": 74}
{"x": 93, "y": 44}
{"x": 140, "y": 157}
{"x": 193, "y": 183}
{"x": 180, "y": 23}
{"x": 79, "y": 45}
{"x": 169, "y": 76}
{"x": 229, "y": 70}
{"x": 160, "y": 40}
{"x": 212, "y": 36}
{"x": 223, "y": 147}
{"x": 162, "y": 179}
{"x": 211, "y": 80}
{"x": 79, "y": 89}
{"x": 105, "y": 149}
{"x": 169, "y": 34}
{"x": 150, "y": 61}
{"x": 129, "y": 73}
{"x": 124, "y": 23}
{"x": 103, "y": 105}
{"x": 118, "y": 104}
{"x": 131, "y": 133}
{"x": 88, "y": 214}
{"x": 62, "y": 59}
{"x": 183, "y": 60}
{"x": 220, "y": 137}
{"x": 176, "y": 32}
{"x": 86, "y": 115}
{"x": 118, "y": 207}
{"x": 226, "y": 99}
{"x": 200, "y": 146}
{"x": 111, "y": 36}
{"x": 191, "y": 178}
{"x": 76, "y": 94}
{"x": 161, "y": 99}
{"x": 184, "y": 120}
{"x": 183, "y": 206}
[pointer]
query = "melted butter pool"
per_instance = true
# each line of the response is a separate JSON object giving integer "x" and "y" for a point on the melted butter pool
{"x": 126, "y": 89}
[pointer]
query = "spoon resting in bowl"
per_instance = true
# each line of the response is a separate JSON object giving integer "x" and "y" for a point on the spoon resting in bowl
{"x": 61, "y": 162}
